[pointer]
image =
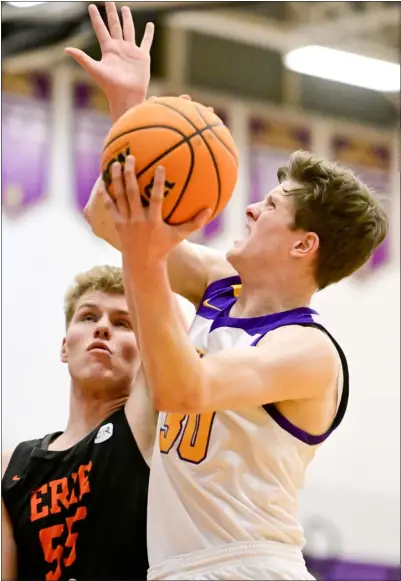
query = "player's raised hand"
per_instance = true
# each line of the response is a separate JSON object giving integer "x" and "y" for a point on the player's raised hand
{"x": 123, "y": 73}
{"x": 144, "y": 236}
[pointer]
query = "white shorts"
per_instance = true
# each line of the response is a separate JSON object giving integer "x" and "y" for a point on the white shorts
{"x": 256, "y": 560}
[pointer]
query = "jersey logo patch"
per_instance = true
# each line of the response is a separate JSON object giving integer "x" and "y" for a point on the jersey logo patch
{"x": 104, "y": 433}
{"x": 207, "y": 304}
{"x": 16, "y": 478}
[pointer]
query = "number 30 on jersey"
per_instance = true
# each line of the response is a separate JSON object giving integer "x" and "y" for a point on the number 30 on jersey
{"x": 191, "y": 431}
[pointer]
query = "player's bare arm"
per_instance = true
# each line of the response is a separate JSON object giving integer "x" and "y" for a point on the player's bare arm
{"x": 8, "y": 546}
{"x": 142, "y": 416}
{"x": 191, "y": 267}
{"x": 291, "y": 364}
{"x": 123, "y": 74}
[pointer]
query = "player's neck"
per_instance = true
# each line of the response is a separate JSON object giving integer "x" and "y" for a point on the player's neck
{"x": 87, "y": 411}
{"x": 273, "y": 295}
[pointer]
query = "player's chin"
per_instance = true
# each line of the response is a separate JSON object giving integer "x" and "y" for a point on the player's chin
{"x": 236, "y": 250}
{"x": 98, "y": 371}
{"x": 107, "y": 381}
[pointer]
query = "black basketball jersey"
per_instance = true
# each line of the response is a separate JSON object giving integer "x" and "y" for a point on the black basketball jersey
{"x": 80, "y": 513}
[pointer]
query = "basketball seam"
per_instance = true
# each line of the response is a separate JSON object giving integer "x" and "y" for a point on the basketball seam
{"x": 208, "y": 126}
{"x": 140, "y": 129}
{"x": 219, "y": 138}
{"x": 184, "y": 187}
{"x": 186, "y": 139}
{"x": 187, "y": 118}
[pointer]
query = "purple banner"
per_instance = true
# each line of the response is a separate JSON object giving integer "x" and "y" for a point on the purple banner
{"x": 92, "y": 124}
{"x": 335, "y": 569}
{"x": 372, "y": 163}
{"x": 272, "y": 143}
{"x": 216, "y": 226}
{"x": 26, "y": 125}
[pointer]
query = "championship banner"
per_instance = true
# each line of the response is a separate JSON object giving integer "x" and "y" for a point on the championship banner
{"x": 271, "y": 144}
{"x": 92, "y": 124}
{"x": 371, "y": 162}
{"x": 216, "y": 226}
{"x": 25, "y": 139}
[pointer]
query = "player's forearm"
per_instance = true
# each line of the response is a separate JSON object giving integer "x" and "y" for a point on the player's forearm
{"x": 99, "y": 219}
{"x": 122, "y": 101}
{"x": 172, "y": 367}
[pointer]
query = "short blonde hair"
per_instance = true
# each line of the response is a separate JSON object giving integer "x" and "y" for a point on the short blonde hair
{"x": 107, "y": 279}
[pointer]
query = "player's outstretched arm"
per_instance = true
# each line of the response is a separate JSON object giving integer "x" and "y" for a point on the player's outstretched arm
{"x": 8, "y": 546}
{"x": 290, "y": 364}
{"x": 123, "y": 74}
{"x": 142, "y": 417}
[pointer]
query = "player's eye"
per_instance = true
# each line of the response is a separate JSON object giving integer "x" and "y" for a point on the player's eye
{"x": 122, "y": 323}
{"x": 89, "y": 317}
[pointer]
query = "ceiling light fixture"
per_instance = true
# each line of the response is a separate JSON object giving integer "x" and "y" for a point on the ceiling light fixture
{"x": 345, "y": 67}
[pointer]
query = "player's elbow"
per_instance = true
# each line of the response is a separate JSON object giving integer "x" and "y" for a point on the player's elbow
{"x": 189, "y": 401}
{"x": 178, "y": 405}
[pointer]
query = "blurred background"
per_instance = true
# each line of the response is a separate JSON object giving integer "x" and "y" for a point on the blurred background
{"x": 245, "y": 60}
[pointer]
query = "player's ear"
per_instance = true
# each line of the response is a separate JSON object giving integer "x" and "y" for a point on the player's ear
{"x": 64, "y": 352}
{"x": 307, "y": 245}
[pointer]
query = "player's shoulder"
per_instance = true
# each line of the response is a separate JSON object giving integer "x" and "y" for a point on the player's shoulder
{"x": 302, "y": 341}
{"x": 21, "y": 452}
{"x": 293, "y": 333}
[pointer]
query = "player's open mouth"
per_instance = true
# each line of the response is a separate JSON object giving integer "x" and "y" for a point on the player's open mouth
{"x": 243, "y": 240}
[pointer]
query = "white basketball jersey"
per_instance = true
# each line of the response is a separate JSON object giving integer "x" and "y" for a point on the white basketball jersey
{"x": 230, "y": 476}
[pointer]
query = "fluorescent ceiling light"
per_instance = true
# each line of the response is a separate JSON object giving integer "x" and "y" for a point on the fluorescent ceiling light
{"x": 345, "y": 67}
{"x": 25, "y": 4}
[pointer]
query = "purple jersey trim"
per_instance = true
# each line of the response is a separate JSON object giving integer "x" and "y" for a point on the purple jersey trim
{"x": 266, "y": 323}
{"x": 216, "y": 305}
{"x": 310, "y": 439}
{"x": 218, "y": 297}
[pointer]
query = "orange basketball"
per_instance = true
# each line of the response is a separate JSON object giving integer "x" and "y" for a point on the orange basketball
{"x": 190, "y": 141}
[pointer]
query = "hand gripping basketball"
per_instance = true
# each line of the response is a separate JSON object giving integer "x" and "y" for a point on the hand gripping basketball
{"x": 144, "y": 235}
{"x": 196, "y": 149}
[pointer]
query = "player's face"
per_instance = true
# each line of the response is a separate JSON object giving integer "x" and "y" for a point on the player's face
{"x": 270, "y": 237}
{"x": 100, "y": 346}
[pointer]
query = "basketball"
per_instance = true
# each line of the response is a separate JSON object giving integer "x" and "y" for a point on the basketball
{"x": 192, "y": 143}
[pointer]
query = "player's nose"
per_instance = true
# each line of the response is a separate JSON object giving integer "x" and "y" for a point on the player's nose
{"x": 103, "y": 329}
{"x": 252, "y": 212}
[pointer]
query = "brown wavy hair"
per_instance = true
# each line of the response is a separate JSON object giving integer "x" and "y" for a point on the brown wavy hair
{"x": 346, "y": 214}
